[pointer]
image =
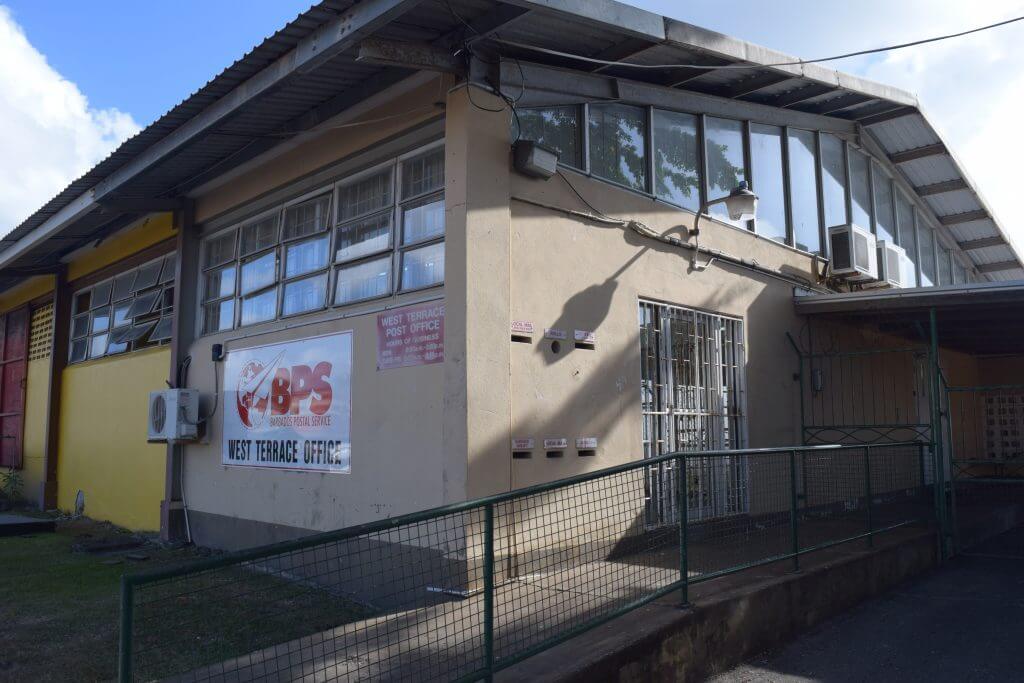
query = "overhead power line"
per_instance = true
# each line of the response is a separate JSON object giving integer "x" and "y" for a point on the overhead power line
{"x": 605, "y": 62}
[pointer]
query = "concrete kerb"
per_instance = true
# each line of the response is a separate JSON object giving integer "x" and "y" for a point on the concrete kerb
{"x": 733, "y": 617}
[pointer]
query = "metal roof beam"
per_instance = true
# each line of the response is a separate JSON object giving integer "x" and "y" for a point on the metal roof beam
{"x": 844, "y": 101}
{"x": 546, "y": 86}
{"x": 808, "y": 92}
{"x": 409, "y": 56}
{"x": 751, "y": 85}
{"x": 918, "y": 153}
{"x": 982, "y": 243}
{"x": 965, "y": 217}
{"x": 114, "y": 204}
{"x": 603, "y": 13}
{"x": 940, "y": 188}
{"x": 326, "y": 42}
{"x": 627, "y": 49}
{"x": 882, "y": 117}
{"x": 998, "y": 267}
{"x": 485, "y": 25}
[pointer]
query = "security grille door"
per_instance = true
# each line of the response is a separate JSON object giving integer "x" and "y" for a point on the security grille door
{"x": 13, "y": 362}
{"x": 692, "y": 394}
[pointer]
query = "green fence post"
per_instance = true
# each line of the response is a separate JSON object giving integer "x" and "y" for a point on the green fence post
{"x": 867, "y": 495}
{"x": 124, "y": 661}
{"x": 794, "y": 512}
{"x": 920, "y": 459}
{"x": 683, "y": 502}
{"x": 489, "y": 590}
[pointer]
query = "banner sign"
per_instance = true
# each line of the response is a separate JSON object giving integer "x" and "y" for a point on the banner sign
{"x": 288, "y": 406}
{"x": 409, "y": 336}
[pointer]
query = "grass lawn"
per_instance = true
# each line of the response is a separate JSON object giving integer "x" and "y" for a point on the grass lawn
{"x": 60, "y": 609}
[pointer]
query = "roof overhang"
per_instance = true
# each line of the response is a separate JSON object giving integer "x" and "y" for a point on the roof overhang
{"x": 982, "y": 318}
{"x": 312, "y": 70}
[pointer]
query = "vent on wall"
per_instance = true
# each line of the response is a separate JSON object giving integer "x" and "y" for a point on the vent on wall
{"x": 40, "y": 335}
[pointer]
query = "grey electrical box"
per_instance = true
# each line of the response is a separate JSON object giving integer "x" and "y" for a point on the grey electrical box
{"x": 534, "y": 160}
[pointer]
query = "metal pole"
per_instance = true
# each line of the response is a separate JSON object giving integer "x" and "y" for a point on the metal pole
{"x": 124, "y": 663}
{"x": 939, "y": 478}
{"x": 793, "y": 512}
{"x": 920, "y": 461}
{"x": 953, "y": 527}
{"x": 867, "y": 495}
{"x": 489, "y": 590}
{"x": 683, "y": 502}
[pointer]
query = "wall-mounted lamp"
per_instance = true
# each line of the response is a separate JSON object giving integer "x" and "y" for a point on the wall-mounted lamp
{"x": 534, "y": 160}
{"x": 740, "y": 203}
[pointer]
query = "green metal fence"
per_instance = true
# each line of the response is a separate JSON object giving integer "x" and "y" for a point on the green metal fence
{"x": 462, "y": 591}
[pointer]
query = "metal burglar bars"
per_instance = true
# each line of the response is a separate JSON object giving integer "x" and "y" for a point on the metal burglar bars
{"x": 462, "y": 591}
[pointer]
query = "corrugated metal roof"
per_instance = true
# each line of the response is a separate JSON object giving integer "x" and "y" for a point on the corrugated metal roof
{"x": 598, "y": 28}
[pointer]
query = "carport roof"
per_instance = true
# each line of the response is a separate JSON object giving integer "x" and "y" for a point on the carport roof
{"x": 308, "y": 72}
{"x": 982, "y": 318}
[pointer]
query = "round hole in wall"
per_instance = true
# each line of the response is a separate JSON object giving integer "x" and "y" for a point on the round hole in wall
{"x": 556, "y": 346}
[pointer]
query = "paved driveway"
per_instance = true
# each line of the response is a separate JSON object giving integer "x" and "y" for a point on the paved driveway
{"x": 963, "y": 622}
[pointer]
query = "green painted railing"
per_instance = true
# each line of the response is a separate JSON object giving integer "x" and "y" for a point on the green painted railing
{"x": 462, "y": 591}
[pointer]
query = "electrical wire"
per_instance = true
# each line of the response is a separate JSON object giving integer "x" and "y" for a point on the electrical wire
{"x": 723, "y": 67}
{"x": 598, "y": 216}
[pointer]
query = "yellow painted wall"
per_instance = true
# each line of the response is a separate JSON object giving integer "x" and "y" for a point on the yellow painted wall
{"x": 103, "y": 448}
{"x": 25, "y": 291}
{"x": 36, "y": 391}
{"x": 145, "y": 233}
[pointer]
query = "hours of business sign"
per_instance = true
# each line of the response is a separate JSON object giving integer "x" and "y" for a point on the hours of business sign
{"x": 409, "y": 336}
{"x": 288, "y": 406}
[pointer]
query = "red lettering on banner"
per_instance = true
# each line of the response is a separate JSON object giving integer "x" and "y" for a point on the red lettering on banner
{"x": 321, "y": 389}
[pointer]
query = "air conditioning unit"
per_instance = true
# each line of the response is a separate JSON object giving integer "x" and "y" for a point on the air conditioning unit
{"x": 891, "y": 268}
{"x": 854, "y": 253}
{"x": 173, "y": 415}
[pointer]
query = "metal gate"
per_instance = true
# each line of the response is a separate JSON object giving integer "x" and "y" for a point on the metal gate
{"x": 693, "y": 399}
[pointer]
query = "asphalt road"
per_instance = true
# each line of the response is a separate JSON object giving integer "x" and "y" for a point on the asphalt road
{"x": 962, "y": 622}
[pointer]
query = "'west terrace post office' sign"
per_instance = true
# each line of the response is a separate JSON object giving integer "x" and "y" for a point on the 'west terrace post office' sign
{"x": 288, "y": 406}
{"x": 409, "y": 336}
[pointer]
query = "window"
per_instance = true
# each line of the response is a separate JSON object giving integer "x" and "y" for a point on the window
{"x": 128, "y": 312}
{"x": 926, "y": 251}
{"x": 421, "y": 255}
{"x": 885, "y": 223}
{"x": 860, "y": 189}
{"x": 803, "y": 190}
{"x": 617, "y": 133}
{"x": 833, "y": 180}
{"x": 554, "y": 127}
{"x": 372, "y": 235}
{"x": 724, "y": 149}
{"x": 768, "y": 184}
{"x": 906, "y": 236}
{"x": 676, "y": 159}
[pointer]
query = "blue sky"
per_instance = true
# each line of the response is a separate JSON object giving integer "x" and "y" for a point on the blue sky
{"x": 77, "y": 77}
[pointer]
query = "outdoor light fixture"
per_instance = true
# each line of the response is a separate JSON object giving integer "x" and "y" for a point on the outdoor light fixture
{"x": 534, "y": 160}
{"x": 741, "y": 205}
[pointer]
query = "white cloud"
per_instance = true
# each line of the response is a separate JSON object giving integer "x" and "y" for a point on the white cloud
{"x": 972, "y": 89}
{"x": 49, "y": 135}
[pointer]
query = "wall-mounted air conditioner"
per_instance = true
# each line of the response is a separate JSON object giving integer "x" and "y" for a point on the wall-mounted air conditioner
{"x": 891, "y": 269}
{"x": 854, "y": 253}
{"x": 173, "y": 415}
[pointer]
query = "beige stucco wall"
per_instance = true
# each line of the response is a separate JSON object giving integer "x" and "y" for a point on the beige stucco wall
{"x": 568, "y": 273}
{"x": 398, "y": 417}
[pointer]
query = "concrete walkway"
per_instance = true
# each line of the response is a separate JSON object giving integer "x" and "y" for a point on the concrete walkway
{"x": 963, "y": 622}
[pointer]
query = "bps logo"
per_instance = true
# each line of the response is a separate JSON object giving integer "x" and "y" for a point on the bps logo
{"x": 282, "y": 391}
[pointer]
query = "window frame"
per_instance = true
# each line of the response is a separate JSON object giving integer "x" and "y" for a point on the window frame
{"x": 877, "y": 169}
{"x": 155, "y": 313}
{"x": 330, "y": 270}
